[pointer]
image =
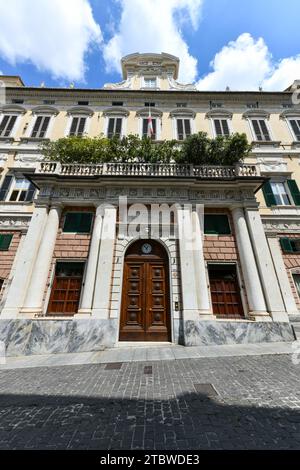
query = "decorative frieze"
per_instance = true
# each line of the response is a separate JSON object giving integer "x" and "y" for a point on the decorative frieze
{"x": 280, "y": 226}
{"x": 14, "y": 222}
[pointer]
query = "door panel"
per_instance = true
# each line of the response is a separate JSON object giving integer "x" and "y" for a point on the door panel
{"x": 226, "y": 299}
{"x": 145, "y": 303}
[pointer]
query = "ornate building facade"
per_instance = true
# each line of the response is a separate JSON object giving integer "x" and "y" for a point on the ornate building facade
{"x": 74, "y": 273}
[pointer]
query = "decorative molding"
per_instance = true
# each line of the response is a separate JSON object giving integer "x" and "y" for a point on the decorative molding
{"x": 14, "y": 222}
{"x": 281, "y": 225}
{"x": 290, "y": 113}
{"x": 272, "y": 165}
{"x": 115, "y": 111}
{"x": 155, "y": 112}
{"x": 251, "y": 113}
{"x": 45, "y": 109}
{"x": 13, "y": 108}
{"x": 84, "y": 110}
{"x": 124, "y": 85}
{"x": 183, "y": 112}
{"x": 174, "y": 85}
{"x": 213, "y": 113}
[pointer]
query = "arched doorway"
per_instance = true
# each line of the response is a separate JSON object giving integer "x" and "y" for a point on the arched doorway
{"x": 145, "y": 309}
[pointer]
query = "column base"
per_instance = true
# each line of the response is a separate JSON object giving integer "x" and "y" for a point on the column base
{"x": 9, "y": 312}
{"x": 280, "y": 317}
{"x": 29, "y": 312}
{"x": 198, "y": 315}
{"x": 83, "y": 313}
{"x": 259, "y": 316}
{"x": 100, "y": 313}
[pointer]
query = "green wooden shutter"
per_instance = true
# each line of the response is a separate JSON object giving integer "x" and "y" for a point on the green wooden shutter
{"x": 216, "y": 224}
{"x": 78, "y": 222}
{"x": 3, "y": 124}
{"x": 180, "y": 134}
{"x": 293, "y": 187}
{"x": 110, "y": 130}
{"x": 286, "y": 245}
{"x": 37, "y": 125}
{"x": 225, "y": 128}
{"x": 5, "y": 240}
{"x": 5, "y": 187}
{"x": 10, "y": 126}
{"x": 218, "y": 127}
{"x": 268, "y": 194}
{"x": 73, "y": 126}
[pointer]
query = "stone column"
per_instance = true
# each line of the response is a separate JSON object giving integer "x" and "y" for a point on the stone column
{"x": 26, "y": 258}
{"x": 34, "y": 297}
{"x": 101, "y": 300}
{"x": 195, "y": 297}
{"x": 253, "y": 286}
{"x": 283, "y": 279}
{"x": 90, "y": 277}
{"x": 202, "y": 291}
{"x": 265, "y": 266}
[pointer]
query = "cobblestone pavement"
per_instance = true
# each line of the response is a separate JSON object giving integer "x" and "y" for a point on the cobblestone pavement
{"x": 254, "y": 404}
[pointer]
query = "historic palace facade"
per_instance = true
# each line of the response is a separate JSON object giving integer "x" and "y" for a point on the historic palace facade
{"x": 76, "y": 276}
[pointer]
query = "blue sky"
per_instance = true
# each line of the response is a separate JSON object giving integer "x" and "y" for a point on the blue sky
{"x": 221, "y": 43}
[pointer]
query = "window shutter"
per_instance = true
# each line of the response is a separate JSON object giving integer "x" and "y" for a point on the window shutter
{"x": 257, "y": 129}
{"x": 286, "y": 245}
{"x": 187, "y": 127}
{"x": 145, "y": 127}
{"x": 5, "y": 241}
{"x": 180, "y": 129}
{"x": 81, "y": 126}
{"x": 111, "y": 125}
{"x": 5, "y": 187}
{"x": 118, "y": 127}
{"x": 79, "y": 222}
{"x": 293, "y": 187}
{"x": 10, "y": 125}
{"x": 154, "y": 128}
{"x": 3, "y": 124}
{"x": 30, "y": 192}
{"x": 216, "y": 224}
{"x": 73, "y": 126}
{"x": 218, "y": 127}
{"x": 44, "y": 126}
{"x": 296, "y": 128}
{"x": 225, "y": 127}
{"x": 264, "y": 129}
{"x": 86, "y": 222}
{"x": 268, "y": 194}
{"x": 37, "y": 126}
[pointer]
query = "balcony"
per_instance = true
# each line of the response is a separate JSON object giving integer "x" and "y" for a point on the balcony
{"x": 152, "y": 170}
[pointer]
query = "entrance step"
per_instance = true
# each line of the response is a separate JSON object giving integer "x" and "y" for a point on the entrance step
{"x": 145, "y": 344}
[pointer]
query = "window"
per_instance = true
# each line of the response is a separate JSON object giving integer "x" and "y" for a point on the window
{"x": 66, "y": 288}
{"x": 145, "y": 128}
{"x": 78, "y": 222}
{"x": 183, "y": 128}
{"x": 83, "y": 103}
{"x": 40, "y": 127}
{"x": 114, "y": 127}
{"x": 278, "y": 193}
{"x": 17, "y": 101}
{"x": 214, "y": 105}
{"x": 49, "y": 102}
{"x": 7, "y": 125}
{"x": 117, "y": 103}
{"x": 290, "y": 245}
{"x": 181, "y": 105}
{"x": 260, "y": 130}
{"x": 295, "y": 125}
{"x": 216, "y": 224}
{"x": 16, "y": 189}
{"x": 221, "y": 127}
{"x": 296, "y": 278}
{"x": 77, "y": 126}
{"x": 5, "y": 241}
{"x": 252, "y": 105}
{"x": 150, "y": 82}
{"x": 149, "y": 105}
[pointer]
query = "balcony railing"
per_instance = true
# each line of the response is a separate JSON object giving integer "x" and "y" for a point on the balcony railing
{"x": 149, "y": 169}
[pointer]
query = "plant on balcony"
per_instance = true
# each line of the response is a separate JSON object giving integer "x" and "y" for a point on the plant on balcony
{"x": 197, "y": 149}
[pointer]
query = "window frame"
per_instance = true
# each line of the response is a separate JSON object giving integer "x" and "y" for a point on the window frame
{"x": 43, "y": 116}
{"x": 254, "y": 136}
{"x": 295, "y": 284}
{"x": 287, "y": 192}
{"x": 183, "y": 118}
{"x": 11, "y": 236}
{"x": 221, "y": 118}
{"x": 294, "y": 118}
{"x": 115, "y": 117}
{"x": 157, "y": 127}
{"x": 12, "y": 188}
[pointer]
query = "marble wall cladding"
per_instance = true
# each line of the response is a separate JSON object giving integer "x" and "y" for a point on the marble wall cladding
{"x": 26, "y": 337}
{"x": 209, "y": 333}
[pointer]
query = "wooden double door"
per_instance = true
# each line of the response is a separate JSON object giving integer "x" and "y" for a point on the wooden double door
{"x": 145, "y": 314}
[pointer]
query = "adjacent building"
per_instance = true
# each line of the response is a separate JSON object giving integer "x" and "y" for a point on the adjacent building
{"x": 75, "y": 276}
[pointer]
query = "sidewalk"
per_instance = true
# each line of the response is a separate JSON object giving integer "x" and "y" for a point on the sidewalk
{"x": 131, "y": 352}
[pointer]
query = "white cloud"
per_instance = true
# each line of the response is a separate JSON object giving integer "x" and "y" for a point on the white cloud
{"x": 247, "y": 64}
{"x": 54, "y": 35}
{"x": 154, "y": 26}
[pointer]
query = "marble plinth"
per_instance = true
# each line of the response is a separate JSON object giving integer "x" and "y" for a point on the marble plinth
{"x": 26, "y": 337}
{"x": 208, "y": 333}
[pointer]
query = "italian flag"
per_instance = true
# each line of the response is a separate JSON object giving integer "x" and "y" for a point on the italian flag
{"x": 150, "y": 130}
